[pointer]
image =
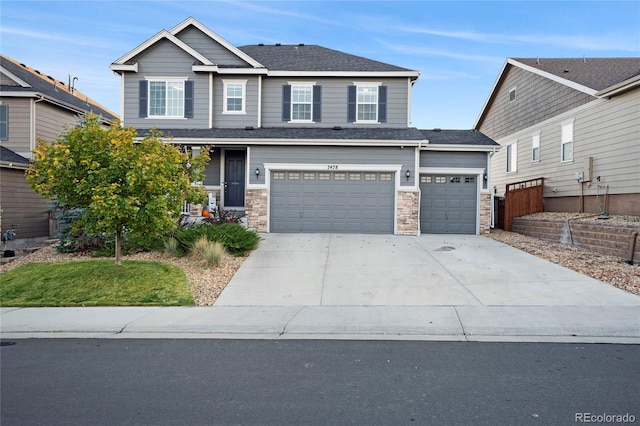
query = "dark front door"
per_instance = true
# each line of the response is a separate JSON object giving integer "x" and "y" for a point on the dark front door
{"x": 234, "y": 179}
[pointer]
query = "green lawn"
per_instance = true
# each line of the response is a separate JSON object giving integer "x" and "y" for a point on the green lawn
{"x": 95, "y": 283}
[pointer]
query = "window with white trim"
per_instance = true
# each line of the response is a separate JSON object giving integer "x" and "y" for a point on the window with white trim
{"x": 367, "y": 103}
{"x": 301, "y": 102}
{"x": 512, "y": 94}
{"x": 535, "y": 147}
{"x": 566, "y": 146}
{"x": 234, "y": 96}
{"x": 512, "y": 157}
{"x": 166, "y": 98}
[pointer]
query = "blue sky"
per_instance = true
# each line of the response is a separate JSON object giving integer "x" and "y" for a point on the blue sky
{"x": 458, "y": 47}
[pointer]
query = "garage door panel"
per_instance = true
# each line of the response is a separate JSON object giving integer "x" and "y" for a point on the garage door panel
{"x": 332, "y": 202}
{"x": 448, "y": 204}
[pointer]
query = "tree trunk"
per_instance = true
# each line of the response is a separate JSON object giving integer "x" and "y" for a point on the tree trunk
{"x": 118, "y": 238}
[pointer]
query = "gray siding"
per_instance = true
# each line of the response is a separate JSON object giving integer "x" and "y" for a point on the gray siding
{"x": 250, "y": 118}
{"x": 19, "y": 125}
{"x": 334, "y": 101}
{"x": 204, "y": 45}
{"x": 476, "y": 160}
{"x": 212, "y": 170}
{"x": 22, "y": 207}
{"x": 537, "y": 99}
{"x": 51, "y": 121}
{"x": 607, "y": 130}
{"x": 166, "y": 60}
{"x": 6, "y": 81}
{"x": 330, "y": 155}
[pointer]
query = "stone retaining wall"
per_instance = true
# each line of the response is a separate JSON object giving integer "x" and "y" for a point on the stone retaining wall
{"x": 608, "y": 239}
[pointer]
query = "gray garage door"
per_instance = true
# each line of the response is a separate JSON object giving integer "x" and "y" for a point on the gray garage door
{"x": 349, "y": 202}
{"x": 448, "y": 204}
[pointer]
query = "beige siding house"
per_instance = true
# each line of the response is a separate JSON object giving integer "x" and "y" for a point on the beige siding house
{"x": 33, "y": 106}
{"x": 574, "y": 122}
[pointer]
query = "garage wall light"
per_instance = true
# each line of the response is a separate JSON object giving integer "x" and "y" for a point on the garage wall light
{"x": 408, "y": 174}
{"x": 257, "y": 172}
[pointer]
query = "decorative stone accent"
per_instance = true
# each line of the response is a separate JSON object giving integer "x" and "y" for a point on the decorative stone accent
{"x": 256, "y": 209}
{"x": 485, "y": 213}
{"x": 407, "y": 213}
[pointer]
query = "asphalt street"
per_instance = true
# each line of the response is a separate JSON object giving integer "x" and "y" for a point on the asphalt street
{"x": 269, "y": 382}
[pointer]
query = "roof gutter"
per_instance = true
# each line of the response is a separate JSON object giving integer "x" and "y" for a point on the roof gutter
{"x": 619, "y": 88}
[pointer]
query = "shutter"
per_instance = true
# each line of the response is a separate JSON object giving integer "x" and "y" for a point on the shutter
{"x": 143, "y": 99}
{"x": 188, "y": 99}
{"x": 351, "y": 103}
{"x": 286, "y": 102}
{"x": 4, "y": 122}
{"x": 382, "y": 104}
{"x": 317, "y": 104}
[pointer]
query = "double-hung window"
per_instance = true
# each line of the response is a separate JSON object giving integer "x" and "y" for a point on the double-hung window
{"x": 512, "y": 157}
{"x": 234, "y": 96}
{"x": 535, "y": 147}
{"x": 166, "y": 98}
{"x": 367, "y": 103}
{"x": 302, "y": 102}
{"x": 566, "y": 146}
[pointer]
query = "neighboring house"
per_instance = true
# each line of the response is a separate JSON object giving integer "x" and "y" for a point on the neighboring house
{"x": 33, "y": 106}
{"x": 573, "y": 122}
{"x": 305, "y": 138}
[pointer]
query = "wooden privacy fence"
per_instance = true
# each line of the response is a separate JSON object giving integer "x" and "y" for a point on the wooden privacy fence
{"x": 521, "y": 199}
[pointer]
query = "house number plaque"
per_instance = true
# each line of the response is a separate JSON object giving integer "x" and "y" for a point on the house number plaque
{"x": 332, "y": 167}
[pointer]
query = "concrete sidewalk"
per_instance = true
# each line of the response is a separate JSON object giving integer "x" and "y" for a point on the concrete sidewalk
{"x": 372, "y": 287}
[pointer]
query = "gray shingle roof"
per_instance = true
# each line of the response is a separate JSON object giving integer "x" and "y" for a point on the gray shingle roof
{"x": 457, "y": 137}
{"x": 8, "y": 156}
{"x": 306, "y": 133}
{"x": 293, "y": 57}
{"x": 595, "y": 73}
{"x": 51, "y": 88}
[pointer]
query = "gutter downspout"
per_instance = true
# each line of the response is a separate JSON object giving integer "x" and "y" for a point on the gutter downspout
{"x": 492, "y": 213}
{"x": 32, "y": 130}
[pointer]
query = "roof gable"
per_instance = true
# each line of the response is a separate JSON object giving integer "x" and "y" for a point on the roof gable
{"x": 33, "y": 83}
{"x": 595, "y": 77}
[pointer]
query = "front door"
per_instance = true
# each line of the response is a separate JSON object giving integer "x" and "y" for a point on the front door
{"x": 234, "y": 179}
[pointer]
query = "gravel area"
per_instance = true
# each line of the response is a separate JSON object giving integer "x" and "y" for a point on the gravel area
{"x": 608, "y": 269}
{"x": 206, "y": 282}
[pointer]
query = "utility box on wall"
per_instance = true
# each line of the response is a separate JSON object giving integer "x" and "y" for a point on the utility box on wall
{"x": 588, "y": 170}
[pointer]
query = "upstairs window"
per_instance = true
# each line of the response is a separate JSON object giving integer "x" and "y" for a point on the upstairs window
{"x": 512, "y": 94}
{"x": 302, "y": 102}
{"x": 566, "y": 146}
{"x": 4, "y": 122}
{"x": 234, "y": 96}
{"x": 512, "y": 157}
{"x": 367, "y": 103}
{"x": 166, "y": 98}
{"x": 535, "y": 147}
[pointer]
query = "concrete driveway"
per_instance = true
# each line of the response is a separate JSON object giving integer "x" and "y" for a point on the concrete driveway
{"x": 429, "y": 270}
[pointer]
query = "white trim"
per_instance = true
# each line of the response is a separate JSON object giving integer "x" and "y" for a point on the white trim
{"x": 305, "y": 84}
{"x": 351, "y": 74}
{"x": 14, "y": 77}
{"x": 563, "y": 142}
{"x": 225, "y": 83}
{"x": 124, "y": 67}
{"x": 620, "y": 87}
{"x": 21, "y": 94}
{"x": 234, "y": 71}
{"x": 535, "y": 137}
{"x": 259, "y": 101}
{"x": 513, "y": 158}
{"x": 191, "y": 21}
{"x": 553, "y": 77}
{"x": 164, "y": 34}
{"x": 297, "y": 142}
{"x": 211, "y": 107}
{"x": 167, "y": 81}
{"x": 461, "y": 148}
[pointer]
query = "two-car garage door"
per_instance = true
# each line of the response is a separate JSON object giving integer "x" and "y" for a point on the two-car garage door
{"x": 331, "y": 201}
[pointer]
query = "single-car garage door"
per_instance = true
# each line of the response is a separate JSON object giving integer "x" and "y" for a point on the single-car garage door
{"x": 349, "y": 202}
{"x": 448, "y": 204}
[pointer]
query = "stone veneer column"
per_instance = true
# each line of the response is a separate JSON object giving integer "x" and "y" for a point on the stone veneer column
{"x": 407, "y": 213}
{"x": 485, "y": 213}
{"x": 256, "y": 209}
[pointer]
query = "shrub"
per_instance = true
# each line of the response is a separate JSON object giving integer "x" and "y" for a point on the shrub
{"x": 237, "y": 239}
{"x": 171, "y": 246}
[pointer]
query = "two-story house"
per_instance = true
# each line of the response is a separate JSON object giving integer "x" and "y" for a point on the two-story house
{"x": 33, "y": 106}
{"x": 306, "y": 138}
{"x": 575, "y": 123}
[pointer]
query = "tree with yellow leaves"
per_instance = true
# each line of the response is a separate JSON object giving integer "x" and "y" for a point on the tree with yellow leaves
{"x": 123, "y": 185}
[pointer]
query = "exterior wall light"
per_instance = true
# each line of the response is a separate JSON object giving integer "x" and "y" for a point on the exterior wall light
{"x": 408, "y": 174}
{"x": 257, "y": 172}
